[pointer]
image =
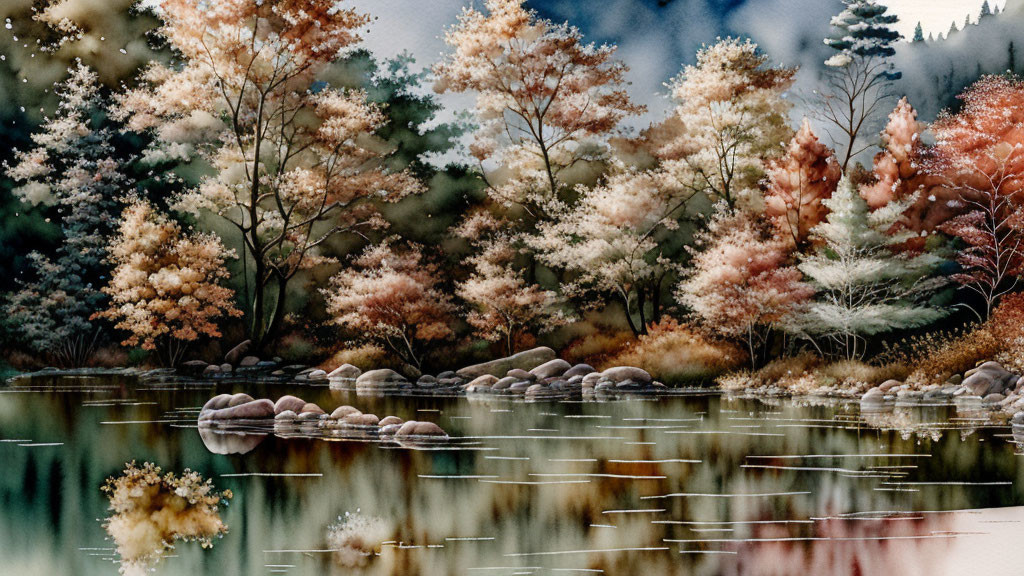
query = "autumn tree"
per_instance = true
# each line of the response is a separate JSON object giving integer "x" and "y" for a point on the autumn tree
{"x": 619, "y": 242}
{"x": 544, "y": 97}
{"x": 979, "y": 153}
{"x": 740, "y": 286}
{"x": 730, "y": 118}
{"x": 864, "y": 286}
{"x": 859, "y": 75}
{"x": 294, "y": 161}
{"x": 166, "y": 288}
{"x": 73, "y": 168}
{"x": 392, "y": 297}
{"x": 798, "y": 184}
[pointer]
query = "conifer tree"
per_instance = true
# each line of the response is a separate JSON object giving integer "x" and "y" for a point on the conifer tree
{"x": 918, "y": 33}
{"x": 864, "y": 286}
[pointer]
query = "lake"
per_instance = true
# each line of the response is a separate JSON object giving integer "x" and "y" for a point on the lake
{"x": 688, "y": 484}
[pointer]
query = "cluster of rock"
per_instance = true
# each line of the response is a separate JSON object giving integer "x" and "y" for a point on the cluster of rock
{"x": 533, "y": 374}
{"x": 239, "y": 363}
{"x": 991, "y": 383}
{"x": 291, "y": 411}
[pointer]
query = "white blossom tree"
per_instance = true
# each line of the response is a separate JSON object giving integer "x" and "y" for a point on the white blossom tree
{"x": 620, "y": 241}
{"x": 730, "y": 119}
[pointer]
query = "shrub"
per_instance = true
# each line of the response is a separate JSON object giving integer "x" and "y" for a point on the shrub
{"x": 674, "y": 352}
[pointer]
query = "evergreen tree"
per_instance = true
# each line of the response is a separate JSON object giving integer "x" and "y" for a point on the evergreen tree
{"x": 860, "y": 75}
{"x": 865, "y": 286}
{"x": 72, "y": 168}
{"x": 986, "y": 11}
{"x": 918, "y": 33}
{"x": 952, "y": 30}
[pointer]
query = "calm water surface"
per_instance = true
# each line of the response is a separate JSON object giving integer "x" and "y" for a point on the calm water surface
{"x": 696, "y": 484}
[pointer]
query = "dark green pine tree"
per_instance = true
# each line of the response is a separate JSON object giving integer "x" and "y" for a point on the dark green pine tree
{"x": 918, "y": 33}
{"x": 986, "y": 11}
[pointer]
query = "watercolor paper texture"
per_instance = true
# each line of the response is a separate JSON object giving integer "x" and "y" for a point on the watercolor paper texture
{"x": 492, "y": 287}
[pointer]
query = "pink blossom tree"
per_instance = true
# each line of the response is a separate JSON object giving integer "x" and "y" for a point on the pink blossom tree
{"x": 394, "y": 298}
{"x": 740, "y": 286}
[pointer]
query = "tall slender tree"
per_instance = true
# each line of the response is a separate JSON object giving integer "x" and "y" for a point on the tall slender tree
{"x": 860, "y": 75}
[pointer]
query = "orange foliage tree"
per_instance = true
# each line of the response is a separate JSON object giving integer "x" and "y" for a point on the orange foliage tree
{"x": 166, "y": 288}
{"x": 295, "y": 162}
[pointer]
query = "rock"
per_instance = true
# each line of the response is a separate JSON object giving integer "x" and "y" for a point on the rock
{"x": 889, "y": 385}
{"x": 519, "y": 387}
{"x": 278, "y": 373}
{"x": 194, "y": 367}
{"x": 379, "y": 379}
{"x": 955, "y": 380}
{"x": 628, "y": 385}
{"x": 993, "y": 399}
{"x": 226, "y": 368}
{"x": 551, "y": 368}
{"x": 249, "y": 361}
{"x": 937, "y": 394}
{"x": 446, "y": 374}
{"x": 285, "y": 403}
{"x": 342, "y": 411}
{"x": 579, "y": 370}
{"x": 211, "y": 370}
{"x": 217, "y": 402}
{"x": 621, "y": 373}
{"x": 982, "y": 382}
{"x": 450, "y": 382}
{"x": 237, "y": 399}
{"x": 361, "y": 420}
{"x": 415, "y": 428}
{"x": 505, "y": 382}
{"x": 285, "y": 416}
{"x": 235, "y": 355}
{"x": 317, "y": 375}
{"x": 426, "y": 381}
{"x": 1018, "y": 419}
{"x": 266, "y": 364}
{"x": 294, "y": 368}
{"x": 390, "y": 429}
{"x": 873, "y": 396}
{"x": 255, "y": 410}
{"x": 391, "y": 421}
{"x": 520, "y": 374}
{"x": 591, "y": 379}
{"x": 527, "y": 360}
{"x": 345, "y": 371}
{"x": 480, "y": 382}
{"x": 311, "y": 408}
{"x": 535, "y": 389}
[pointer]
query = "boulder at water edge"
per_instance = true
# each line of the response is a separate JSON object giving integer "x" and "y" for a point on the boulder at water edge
{"x": 415, "y": 428}
{"x": 555, "y": 367}
{"x": 345, "y": 371}
{"x": 255, "y": 410}
{"x": 235, "y": 355}
{"x": 527, "y": 360}
{"x": 623, "y": 373}
{"x": 382, "y": 379}
{"x": 292, "y": 403}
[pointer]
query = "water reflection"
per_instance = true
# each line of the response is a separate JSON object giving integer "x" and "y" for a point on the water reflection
{"x": 684, "y": 485}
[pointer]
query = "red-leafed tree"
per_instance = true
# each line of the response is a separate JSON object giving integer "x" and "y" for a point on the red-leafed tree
{"x": 797, "y": 184}
{"x": 740, "y": 286}
{"x": 979, "y": 153}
